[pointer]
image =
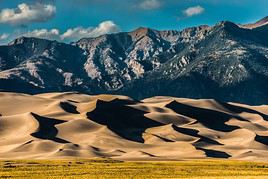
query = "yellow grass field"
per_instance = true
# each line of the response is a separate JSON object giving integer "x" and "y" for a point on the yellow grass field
{"x": 117, "y": 169}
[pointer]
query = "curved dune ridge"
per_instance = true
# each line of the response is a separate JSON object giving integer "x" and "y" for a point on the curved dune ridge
{"x": 61, "y": 125}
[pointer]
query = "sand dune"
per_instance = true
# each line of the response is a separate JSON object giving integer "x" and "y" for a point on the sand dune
{"x": 60, "y": 125}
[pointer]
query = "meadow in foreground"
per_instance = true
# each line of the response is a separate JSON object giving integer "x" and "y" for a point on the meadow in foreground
{"x": 118, "y": 169}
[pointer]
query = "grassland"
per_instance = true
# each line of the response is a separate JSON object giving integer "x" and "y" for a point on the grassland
{"x": 116, "y": 169}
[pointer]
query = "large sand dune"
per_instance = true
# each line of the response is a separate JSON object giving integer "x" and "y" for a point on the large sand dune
{"x": 61, "y": 125}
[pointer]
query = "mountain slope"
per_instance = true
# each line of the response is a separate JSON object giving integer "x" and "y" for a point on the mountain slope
{"x": 226, "y": 62}
{"x": 42, "y": 64}
{"x": 229, "y": 64}
{"x": 262, "y": 22}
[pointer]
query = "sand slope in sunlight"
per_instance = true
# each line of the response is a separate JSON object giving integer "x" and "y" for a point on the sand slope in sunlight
{"x": 61, "y": 125}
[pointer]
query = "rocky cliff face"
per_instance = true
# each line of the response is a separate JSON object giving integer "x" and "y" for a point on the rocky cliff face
{"x": 227, "y": 62}
{"x": 117, "y": 59}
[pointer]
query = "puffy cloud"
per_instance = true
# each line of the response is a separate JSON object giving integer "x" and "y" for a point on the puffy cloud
{"x": 4, "y": 36}
{"x": 105, "y": 27}
{"x": 150, "y": 4}
{"x": 69, "y": 35}
{"x": 53, "y": 34}
{"x": 25, "y": 14}
{"x": 192, "y": 11}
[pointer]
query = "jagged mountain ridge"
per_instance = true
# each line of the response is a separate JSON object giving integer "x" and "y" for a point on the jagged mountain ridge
{"x": 225, "y": 62}
{"x": 128, "y": 56}
{"x": 262, "y": 22}
{"x": 229, "y": 64}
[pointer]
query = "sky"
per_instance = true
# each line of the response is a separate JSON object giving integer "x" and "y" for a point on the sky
{"x": 71, "y": 20}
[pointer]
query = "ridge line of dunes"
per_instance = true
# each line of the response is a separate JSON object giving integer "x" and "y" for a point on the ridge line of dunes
{"x": 67, "y": 125}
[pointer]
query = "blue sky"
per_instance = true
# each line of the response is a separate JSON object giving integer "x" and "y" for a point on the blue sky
{"x": 69, "y": 20}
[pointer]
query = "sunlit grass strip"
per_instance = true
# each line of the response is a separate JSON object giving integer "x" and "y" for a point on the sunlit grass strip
{"x": 117, "y": 169}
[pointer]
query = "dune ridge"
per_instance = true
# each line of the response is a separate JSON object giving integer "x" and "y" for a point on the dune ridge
{"x": 73, "y": 125}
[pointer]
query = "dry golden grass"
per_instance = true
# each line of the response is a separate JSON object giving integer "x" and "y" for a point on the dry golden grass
{"x": 116, "y": 169}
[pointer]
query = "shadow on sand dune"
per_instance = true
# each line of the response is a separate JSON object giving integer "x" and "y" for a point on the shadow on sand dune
{"x": 125, "y": 121}
{"x": 194, "y": 133}
{"x": 47, "y": 129}
{"x": 69, "y": 107}
{"x": 212, "y": 119}
{"x": 214, "y": 153}
{"x": 239, "y": 109}
{"x": 262, "y": 139}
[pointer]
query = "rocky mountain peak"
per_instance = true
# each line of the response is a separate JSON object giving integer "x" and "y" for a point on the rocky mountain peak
{"x": 227, "y": 25}
{"x": 24, "y": 40}
{"x": 18, "y": 41}
{"x": 142, "y": 32}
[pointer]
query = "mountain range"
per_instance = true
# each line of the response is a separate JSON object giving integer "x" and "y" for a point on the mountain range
{"x": 226, "y": 62}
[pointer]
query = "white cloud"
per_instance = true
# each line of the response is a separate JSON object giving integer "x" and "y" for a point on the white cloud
{"x": 4, "y": 36}
{"x": 77, "y": 33}
{"x": 150, "y": 4}
{"x": 25, "y": 14}
{"x": 74, "y": 34}
{"x": 192, "y": 11}
{"x": 53, "y": 34}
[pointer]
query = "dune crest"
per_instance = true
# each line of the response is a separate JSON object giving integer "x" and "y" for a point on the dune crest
{"x": 60, "y": 125}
